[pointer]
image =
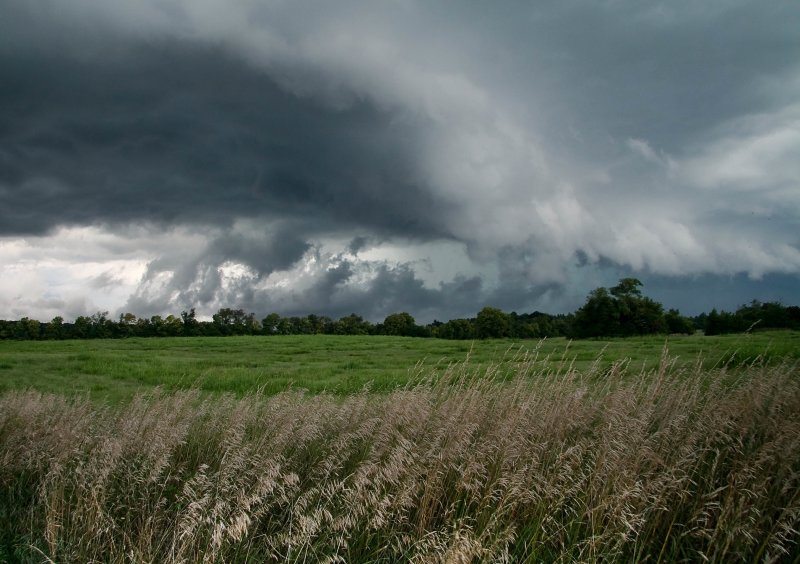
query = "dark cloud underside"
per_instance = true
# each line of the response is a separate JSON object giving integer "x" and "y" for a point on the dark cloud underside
{"x": 431, "y": 157}
{"x": 180, "y": 134}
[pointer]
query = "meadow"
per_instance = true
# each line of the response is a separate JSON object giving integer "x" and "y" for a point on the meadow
{"x": 592, "y": 451}
{"x": 114, "y": 370}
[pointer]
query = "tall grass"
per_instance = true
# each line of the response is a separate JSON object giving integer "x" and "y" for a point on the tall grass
{"x": 547, "y": 464}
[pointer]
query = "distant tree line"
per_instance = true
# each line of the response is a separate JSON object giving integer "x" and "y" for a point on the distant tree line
{"x": 620, "y": 311}
{"x": 489, "y": 323}
{"x": 753, "y": 316}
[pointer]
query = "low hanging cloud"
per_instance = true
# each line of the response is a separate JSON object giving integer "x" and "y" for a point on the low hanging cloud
{"x": 309, "y": 157}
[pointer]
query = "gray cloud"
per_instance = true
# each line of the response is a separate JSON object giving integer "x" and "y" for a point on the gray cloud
{"x": 198, "y": 140}
{"x": 549, "y": 140}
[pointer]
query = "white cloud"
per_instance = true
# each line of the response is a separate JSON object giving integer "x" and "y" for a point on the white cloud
{"x": 751, "y": 153}
{"x": 77, "y": 271}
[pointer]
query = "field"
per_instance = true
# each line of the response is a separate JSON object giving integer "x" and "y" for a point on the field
{"x": 621, "y": 451}
{"x": 115, "y": 370}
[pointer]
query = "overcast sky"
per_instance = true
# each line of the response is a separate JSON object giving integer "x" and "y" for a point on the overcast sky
{"x": 374, "y": 157}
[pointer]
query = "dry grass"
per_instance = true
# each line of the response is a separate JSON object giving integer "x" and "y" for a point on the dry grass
{"x": 549, "y": 465}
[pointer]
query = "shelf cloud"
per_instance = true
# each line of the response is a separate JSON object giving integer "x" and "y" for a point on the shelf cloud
{"x": 310, "y": 157}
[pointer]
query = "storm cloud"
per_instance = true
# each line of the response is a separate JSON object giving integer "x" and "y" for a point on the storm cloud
{"x": 310, "y": 157}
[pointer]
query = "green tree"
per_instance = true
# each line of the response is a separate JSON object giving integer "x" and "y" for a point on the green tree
{"x": 55, "y": 329}
{"x": 621, "y": 311}
{"x": 400, "y": 324}
{"x": 157, "y": 326}
{"x": 100, "y": 326}
{"x": 317, "y": 324}
{"x": 173, "y": 326}
{"x": 285, "y": 326}
{"x": 457, "y": 329}
{"x": 676, "y": 323}
{"x": 235, "y": 322}
{"x": 599, "y": 316}
{"x": 492, "y": 323}
{"x": 126, "y": 324}
{"x": 299, "y": 325}
{"x": 627, "y": 287}
{"x": 81, "y": 328}
{"x": 719, "y": 323}
{"x": 191, "y": 326}
{"x": 647, "y": 317}
{"x": 270, "y": 324}
{"x": 28, "y": 329}
{"x": 6, "y": 329}
{"x": 143, "y": 327}
{"x": 352, "y": 325}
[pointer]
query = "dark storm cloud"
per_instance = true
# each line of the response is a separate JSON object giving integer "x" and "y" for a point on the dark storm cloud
{"x": 184, "y": 134}
{"x": 559, "y": 142}
{"x": 277, "y": 252}
{"x": 389, "y": 290}
{"x": 398, "y": 289}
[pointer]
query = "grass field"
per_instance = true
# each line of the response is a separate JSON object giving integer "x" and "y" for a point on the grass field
{"x": 493, "y": 451}
{"x": 671, "y": 464}
{"x": 115, "y": 370}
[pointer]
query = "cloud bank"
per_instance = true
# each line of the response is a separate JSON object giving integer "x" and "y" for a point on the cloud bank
{"x": 314, "y": 157}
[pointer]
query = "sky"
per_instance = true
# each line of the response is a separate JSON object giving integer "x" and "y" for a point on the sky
{"x": 375, "y": 157}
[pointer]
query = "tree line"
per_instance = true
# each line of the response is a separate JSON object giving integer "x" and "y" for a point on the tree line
{"x": 620, "y": 311}
{"x": 489, "y": 323}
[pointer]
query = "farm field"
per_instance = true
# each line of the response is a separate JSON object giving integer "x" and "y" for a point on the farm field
{"x": 665, "y": 458}
{"x": 115, "y": 370}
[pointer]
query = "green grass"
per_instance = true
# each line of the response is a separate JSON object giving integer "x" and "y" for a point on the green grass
{"x": 115, "y": 370}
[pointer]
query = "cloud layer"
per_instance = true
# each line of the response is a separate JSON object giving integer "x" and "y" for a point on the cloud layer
{"x": 309, "y": 157}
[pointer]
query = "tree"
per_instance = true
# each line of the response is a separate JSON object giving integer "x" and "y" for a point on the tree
{"x": 647, "y": 317}
{"x": 492, "y": 323}
{"x": 100, "y": 326}
{"x": 6, "y": 329}
{"x": 318, "y": 324}
{"x": 173, "y": 326}
{"x": 191, "y": 326}
{"x": 235, "y": 322}
{"x": 352, "y": 325}
{"x": 299, "y": 325}
{"x": 81, "y": 327}
{"x": 127, "y": 324}
{"x": 143, "y": 327}
{"x": 718, "y": 323}
{"x": 401, "y": 324}
{"x": 270, "y": 324}
{"x": 157, "y": 328}
{"x": 28, "y": 329}
{"x": 457, "y": 329}
{"x": 793, "y": 313}
{"x": 627, "y": 287}
{"x": 55, "y": 329}
{"x": 289, "y": 325}
{"x": 621, "y": 311}
{"x": 599, "y": 316}
{"x": 676, "y": 323}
